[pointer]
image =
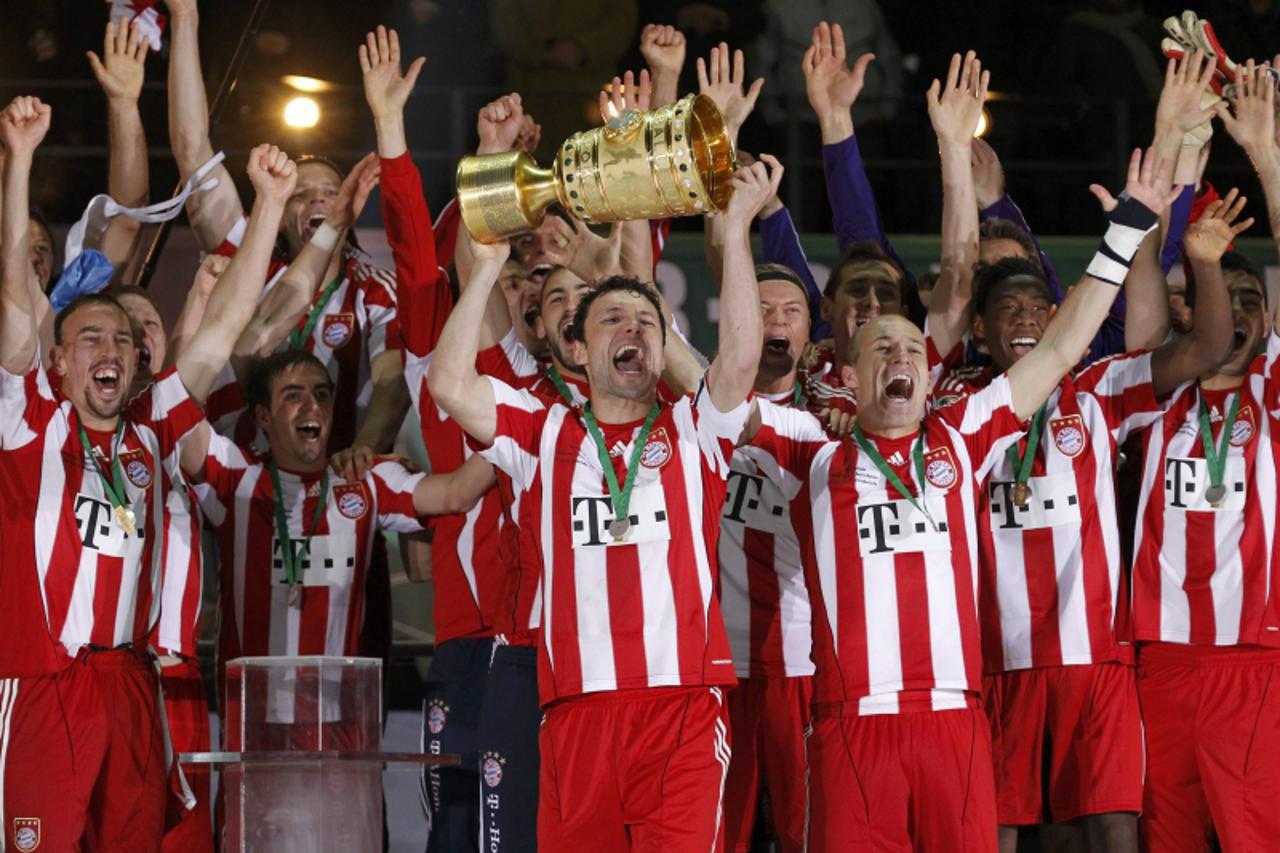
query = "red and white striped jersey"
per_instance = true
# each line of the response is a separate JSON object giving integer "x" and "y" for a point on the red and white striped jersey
{"x": 1201, "y": 574}
{"x": 356, "y": 325}
{"x": 70, "y": 571}
{"x": 467, "y": 567}
{"x": 641, "y": 612}
{"x": 181, "y": 574}
{"x": 763, "y": 594}
{"x": 238, "y": 499}
{"x": 895, "y": 614}
{"x": 1051, "y": 584}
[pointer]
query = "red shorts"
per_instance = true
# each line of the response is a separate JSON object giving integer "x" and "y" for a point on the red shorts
{"x": 768, "y": 716}
{"x": 82, "y": 758}
{"x": 639, "y": 770}
{"x": 186, "y": 706}
{"x": 900, "y": 782}
{"x": 1066, "y": 741}
{"x": 1212, "y": 720}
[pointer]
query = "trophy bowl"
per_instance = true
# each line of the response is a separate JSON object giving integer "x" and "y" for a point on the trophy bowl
{"x": 677, "y": 160}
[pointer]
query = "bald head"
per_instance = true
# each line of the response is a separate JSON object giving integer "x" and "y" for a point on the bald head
{"x": 884, "y": 326}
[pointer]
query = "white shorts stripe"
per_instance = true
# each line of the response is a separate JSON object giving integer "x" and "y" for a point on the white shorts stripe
{"x": 8, "y": 698}
{"x": 722, "y": 753}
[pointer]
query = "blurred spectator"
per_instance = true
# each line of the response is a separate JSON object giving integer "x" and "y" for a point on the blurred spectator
{"x": 559, "y": 53}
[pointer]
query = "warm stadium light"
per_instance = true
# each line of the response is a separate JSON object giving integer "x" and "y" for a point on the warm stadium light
{"x": 301, "y": 113}
{"x": 984, "y": 125}
{"x": 310, "y": 85}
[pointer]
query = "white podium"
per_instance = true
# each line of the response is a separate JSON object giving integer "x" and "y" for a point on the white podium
{"x": 302, "y": 770}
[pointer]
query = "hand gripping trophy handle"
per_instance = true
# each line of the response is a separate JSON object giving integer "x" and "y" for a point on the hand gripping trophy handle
{"x": 677, "y": 160}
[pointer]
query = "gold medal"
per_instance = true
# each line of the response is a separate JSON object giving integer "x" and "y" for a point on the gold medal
{"x": 1021, "y": 494}
{"x": 126, "y": 519}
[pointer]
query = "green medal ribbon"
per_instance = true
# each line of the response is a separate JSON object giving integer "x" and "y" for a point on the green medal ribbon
{"x": 798, "y": 400}
{"x": 115, "y": 493}
{"x": 917, "y": 456}
{"x": 620, "y": 497}
{"x": 293, "y": 559}
{"x": 557, "y": 380}
{"x": 298, "y": 337}
{"x": 1216, "y": 457}
{"x": 1021, "y": 465}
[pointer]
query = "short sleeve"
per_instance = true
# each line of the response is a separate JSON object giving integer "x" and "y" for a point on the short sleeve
{"x": 168, "y": 410}
{"x": 508, "y": 361}
{"x": 785, "y": 444}
{"x": 1123, "y": 390}
{"x": 393, "y": 486}
{"x": 986, "y": 422}
{"x": 27, "y": 404}
{"x": 520, "y": 420}
{"x": 718, "y": 432}
{"x": 224, "y": 466}
{"x": 378, "y": 295}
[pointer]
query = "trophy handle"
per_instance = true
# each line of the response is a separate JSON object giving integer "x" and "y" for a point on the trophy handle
{"x": 504, "y": 194}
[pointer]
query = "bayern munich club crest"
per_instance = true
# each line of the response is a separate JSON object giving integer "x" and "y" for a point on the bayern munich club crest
{"x": 657, "y": 450}
{"x": 491, "y": 769}
{"x": 1242, "y": 430}
{"x": 352, "y": 500}
{"x": 26, "y": 834}
{"x": 940, "y": 468}
{"x": 436, "y": 716}
{"x": 337, "y": 329}
{"x": 134, "y": 463}
{"x": 1068, "y": 435}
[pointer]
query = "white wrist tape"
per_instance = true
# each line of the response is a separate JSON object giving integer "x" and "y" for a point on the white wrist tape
{"x": 1131, "y": 221}
{"x": 326, "y": 237}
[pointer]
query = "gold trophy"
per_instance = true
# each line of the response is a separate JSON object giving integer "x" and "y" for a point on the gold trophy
{"x": 676, "y": 160}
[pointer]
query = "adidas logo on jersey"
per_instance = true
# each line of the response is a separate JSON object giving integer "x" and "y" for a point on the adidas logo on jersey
{"x": 896, "y": 458}
{"x": 618, "y": 449}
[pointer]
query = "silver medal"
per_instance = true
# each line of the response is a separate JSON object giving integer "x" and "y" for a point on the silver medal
{"x": 618, "y": 528}
{"x": 295, "y": 595}
{"x": 1215, "y": 494}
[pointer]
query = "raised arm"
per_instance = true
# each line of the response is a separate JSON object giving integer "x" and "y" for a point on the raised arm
{"x": 213, "y": 213}
{"x": 662, "y": 47}
{"x": 723, "y": 84}
{"x": 954, "y": 110}
{"x": 120, "y": 73}
{"x": 23, "y": 125}
{"x": 290, "y": 298}
{"x": 194, "y": 306}
{"x": 1252, "y": 124}
{"x": 234, "y": 298}
{"x": 453, "y": 381}
{"x": 1209, "y": 342}
{"x": 1065, "y": 339}
{"x": 733, "y": 371}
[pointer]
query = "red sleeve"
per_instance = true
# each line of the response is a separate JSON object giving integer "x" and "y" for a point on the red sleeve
{"x": 446, "y": 228}
{"x": 422, "y": 286}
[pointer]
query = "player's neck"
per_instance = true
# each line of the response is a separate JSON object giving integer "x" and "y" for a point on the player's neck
{"x": 567, "y": 371}
{"x": 874, "y": 429}
{"x": 1220, "y": 381}
{"x": 292, "y": 465}
{"x": 609, "y": 409}
{"x": 775, "y": 385}
{"x": 90, "y": 421}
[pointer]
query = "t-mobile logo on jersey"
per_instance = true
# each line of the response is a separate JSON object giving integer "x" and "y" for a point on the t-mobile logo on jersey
{"x": 755, "y": 502}
{"x": 1187, "y": 484}
{"x": 99, "y": 530}
{"x": 1051, "y": 502}
{"x": 896, "y": 527}
{"x": 646, "y": 517}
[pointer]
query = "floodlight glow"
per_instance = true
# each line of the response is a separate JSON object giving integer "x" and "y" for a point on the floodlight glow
{"x": 301, "y": 113}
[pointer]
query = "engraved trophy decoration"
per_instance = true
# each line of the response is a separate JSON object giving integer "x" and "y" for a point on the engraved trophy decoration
{"x": 676, "y": 160}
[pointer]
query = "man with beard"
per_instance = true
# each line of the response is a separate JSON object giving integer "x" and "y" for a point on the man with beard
{"x": 87, "y": 474}
{"x": 765, "y": 599}
{"x": 1205, "y": 611}
{"x": 633, "y": 648}
{"x": 887, "y": 519}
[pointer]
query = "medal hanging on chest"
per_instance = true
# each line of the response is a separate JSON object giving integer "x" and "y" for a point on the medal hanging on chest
{"x": 1021, "y": 464}
{"x": 113, "y": 485}
{"x": 291, "y": 557}
{"x": 917, "y": 456}
{"x": 1216, "y": 457}
{"x": 620, "y": 498}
